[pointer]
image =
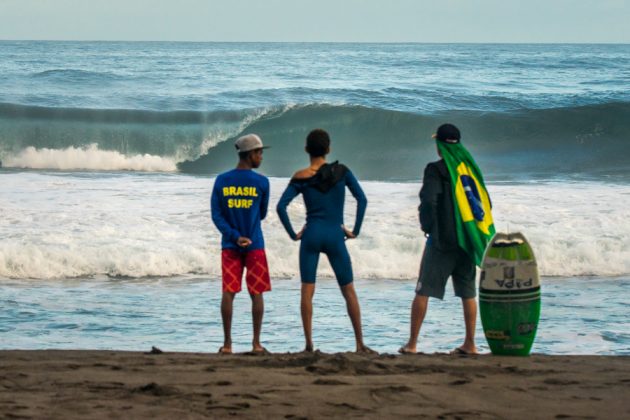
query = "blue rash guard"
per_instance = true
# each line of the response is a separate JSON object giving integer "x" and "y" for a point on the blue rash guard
{"x": 239, "y": 202}
{"x": 324, "y": 196}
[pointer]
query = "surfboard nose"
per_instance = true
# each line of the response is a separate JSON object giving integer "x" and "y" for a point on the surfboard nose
{"x": 509, "y": 295}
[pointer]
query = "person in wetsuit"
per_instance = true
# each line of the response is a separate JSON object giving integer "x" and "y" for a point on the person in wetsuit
{"x": 322, "y": 186}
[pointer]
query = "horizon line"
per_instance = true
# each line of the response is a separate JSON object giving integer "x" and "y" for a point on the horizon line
{"x": 329, "y": 42}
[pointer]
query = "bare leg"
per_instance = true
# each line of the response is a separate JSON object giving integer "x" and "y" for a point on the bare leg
{"x": 306, "y": 307}
{"x": 258, "y": 310}
{"x": 470, "y": 319}
{"x": 418, "y": 311}
{"x": 354, "y": 311}
{"x": 226, "y": 315}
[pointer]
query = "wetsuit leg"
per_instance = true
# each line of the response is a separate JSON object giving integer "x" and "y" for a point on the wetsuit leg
{"x": 339, "y": 258}
{"x": 309, "y": 256}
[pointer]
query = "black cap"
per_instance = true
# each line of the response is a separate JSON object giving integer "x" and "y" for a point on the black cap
{"x": 448, "y": 133}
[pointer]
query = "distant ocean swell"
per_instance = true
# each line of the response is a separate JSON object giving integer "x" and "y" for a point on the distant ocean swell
{"x": 378, "y": 144}
{"x": 73, "y": 76}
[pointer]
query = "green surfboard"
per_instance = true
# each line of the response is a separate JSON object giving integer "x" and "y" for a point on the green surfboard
{"x": 509, "y": 295}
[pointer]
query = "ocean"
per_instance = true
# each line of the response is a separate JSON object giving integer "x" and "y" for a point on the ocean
{"x": 109, "y": 151}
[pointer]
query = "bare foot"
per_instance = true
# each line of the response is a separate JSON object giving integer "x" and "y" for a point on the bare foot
{"x": 407, "y": 350}
{"x": 225, "y": 350}
{"x": 308, "y": 348}
{"x": 363, "y": 349}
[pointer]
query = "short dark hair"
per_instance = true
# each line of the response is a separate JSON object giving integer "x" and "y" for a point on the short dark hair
{"x": 243, "y": 155}
{"x": 317, "y": 143}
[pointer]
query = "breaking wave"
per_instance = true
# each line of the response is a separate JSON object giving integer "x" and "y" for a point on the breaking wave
{"x": 377, "y": 143}
{"x": 88, "y": 158}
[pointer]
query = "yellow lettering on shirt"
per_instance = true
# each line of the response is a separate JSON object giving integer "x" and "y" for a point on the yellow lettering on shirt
{"x": 240, "y": 192}
{"x": 240, "y": 203}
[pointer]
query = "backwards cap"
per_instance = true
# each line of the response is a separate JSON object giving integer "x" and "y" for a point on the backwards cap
{"x": 447, "y": 133}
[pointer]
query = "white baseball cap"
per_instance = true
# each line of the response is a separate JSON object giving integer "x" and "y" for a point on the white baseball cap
{"x": 249, "y": 142}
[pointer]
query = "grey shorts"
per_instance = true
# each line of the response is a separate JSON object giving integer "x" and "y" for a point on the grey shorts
{"x": 437, "y": 266}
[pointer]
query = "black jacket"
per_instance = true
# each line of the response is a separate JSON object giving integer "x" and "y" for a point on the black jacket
{"x": 437, "y": 214}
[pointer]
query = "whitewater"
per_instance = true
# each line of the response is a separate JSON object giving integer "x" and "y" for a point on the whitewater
{"x": 59, "y": 225}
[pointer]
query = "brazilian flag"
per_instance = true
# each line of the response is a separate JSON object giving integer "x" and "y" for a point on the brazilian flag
{"x": 473, "y": 209}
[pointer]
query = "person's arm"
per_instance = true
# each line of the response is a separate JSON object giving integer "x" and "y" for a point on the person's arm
{"x": 264, "y": 199}
{"x": 217, "y": 217}
{"x": 359, "y": 195}
{"x": 287, "y": 196}
{"x": 431, "y": 188}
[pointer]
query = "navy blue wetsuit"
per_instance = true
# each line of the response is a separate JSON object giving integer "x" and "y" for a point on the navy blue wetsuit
{"x": 324, "y": 196}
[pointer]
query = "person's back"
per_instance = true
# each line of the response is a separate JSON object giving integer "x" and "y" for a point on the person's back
{"x": 436, "y": 210}
{"x": 324, "y": 194}
{"x": 322, "y": 186}
{"x": 241, "y": 199}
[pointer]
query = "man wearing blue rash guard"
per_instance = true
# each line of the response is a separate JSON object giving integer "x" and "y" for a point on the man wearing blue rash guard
{"x": 238, "y": 204}
{"x": 322, "y": 186}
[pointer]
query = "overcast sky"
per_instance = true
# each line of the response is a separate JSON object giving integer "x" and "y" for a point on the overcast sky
{"x": 589, "y": 21}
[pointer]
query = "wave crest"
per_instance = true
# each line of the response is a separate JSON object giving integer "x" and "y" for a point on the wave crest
{"x": 379, "y": 144}
{"x": 88, "y": 158}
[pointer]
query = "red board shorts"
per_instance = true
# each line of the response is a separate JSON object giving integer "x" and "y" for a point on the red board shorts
{"x": 233, "y": 263}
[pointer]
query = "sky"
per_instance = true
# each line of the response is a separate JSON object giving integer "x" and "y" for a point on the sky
{"x": 521, "y": 21}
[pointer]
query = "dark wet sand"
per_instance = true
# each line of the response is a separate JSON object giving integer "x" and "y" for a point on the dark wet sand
{"x": 112, "y": 384}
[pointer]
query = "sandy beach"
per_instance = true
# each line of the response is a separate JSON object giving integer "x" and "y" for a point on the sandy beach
{"x": 112, "y": 384}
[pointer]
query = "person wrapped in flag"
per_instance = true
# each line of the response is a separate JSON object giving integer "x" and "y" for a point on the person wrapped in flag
{"x": 456, "y": 217}
{"x": 473, "y": 208}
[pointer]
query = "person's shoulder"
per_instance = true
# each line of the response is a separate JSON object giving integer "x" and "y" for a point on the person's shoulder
{"x": 343, "y": 169}
{"x": 262, "y": 179}
{"x": 226, "y": 174}
{"x": 258, "y": 175}
{"x": 437, "y": 168}
{"x": 222, "y": 177}
{"x": 338, "y": 166}
{"x": 302, "y": 174}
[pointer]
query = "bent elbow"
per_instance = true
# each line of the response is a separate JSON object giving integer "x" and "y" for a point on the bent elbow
{"x": 281, "y": 209}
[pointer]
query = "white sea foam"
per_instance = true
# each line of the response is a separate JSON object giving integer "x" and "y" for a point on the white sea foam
{"x": 61, "y": 225}
{"x": 88, "y": 158}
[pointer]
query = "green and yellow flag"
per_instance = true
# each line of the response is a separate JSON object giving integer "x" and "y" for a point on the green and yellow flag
{"x": 473, "y": 209}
